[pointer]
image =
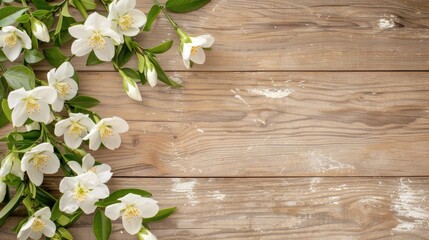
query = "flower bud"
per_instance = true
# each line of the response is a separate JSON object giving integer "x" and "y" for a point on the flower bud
{"x": 40, "y": 30}
{"x": 145, "y": 234}
{"x": 150, "y": 73}
{"x": 131, "y": 88}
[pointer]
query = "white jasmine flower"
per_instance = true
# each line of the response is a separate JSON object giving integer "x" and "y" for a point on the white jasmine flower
{"x": 12, "y": 40}
{"x": 133, "y": 208}
{"x": 40, "y": 160}
{"x": 88, "y": 165}
{"x": 33, "y": 104}
{"x": 150, "y": 73}
{"x": 37, "y": 225}
{"x": 82, "y": 191}
{"x": 131, "y": 89}
{"x": 61, "y": 79}
{"x": 97, "y": 35}
{"x": 74, "y": 129}
{"x": 192, "y": 48}
{"x": 145, "y": 234}
{"x": 39, "y": 30}
{"x": 11, "y": 164}
{"x": 126, "y": 19}
{"x": 107, "y": 131}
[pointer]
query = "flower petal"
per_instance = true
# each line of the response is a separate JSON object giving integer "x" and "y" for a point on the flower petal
{"x": 17, "y": 96}
{"x": 198, "y": 41}
{"x": 95, "y": 141}
{"x": 123, "y": 6}
{"x": 2, "y": 190}
{"x": 24, "y": 38}
{"x": 88, "y": 162}
{"x": 210, "y": 40}
{"x": 43, "y": 212}
{"x": 12, "y": 53}
{"x": 138, "y": 16}
{"x": 52, "y": 165}
{"x": 118, "y": 124}
{"x": 114, "y": 211}
{"x": 132, "y": 224}
{"x": 68, "y": 204}
{"x": 131, "y": 31}
{"x": 88, "y": 206}
{"x": 42, "y": 114}
{"x": 35, "y": 176}
{"x": 45, "y": 93}
{"x": 199, "y": 57}
{"x": 80, "y": 31}
{"x": 103, "y": 172}
{"x": 186, "y": 51}
{"x": 149, "y": 207}
{"x": 73, "y": 141}
{"x": 106, "y": 54}
{"x": 62, "y": 126}
{"x": 73, "y": 88}
{"x": 112, "y": 142}
{"x": 75, "y": 166}
{"x": 43, "y": 147}
{"x": 19, "y": 115}
{"x": 187, "y": 63}
{"x": 58, "y": 105}
{"x": 67, "y": 184}
{"x": 50, "y": 228}
{"x": 64, "y": 71}
{"x": 80, "y": 47}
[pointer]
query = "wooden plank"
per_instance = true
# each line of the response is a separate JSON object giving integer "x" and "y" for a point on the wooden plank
{"x": 276, "y": 208}
{"x": 300, "y": 35}
{"x": 232, "y": 124}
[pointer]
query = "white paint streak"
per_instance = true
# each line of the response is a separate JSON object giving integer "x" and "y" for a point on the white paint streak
{"x": 187, "y": 188}
{"x": 410, "y": 208}
{"x": 385, "y": 23}
{"x": 323, "y": 163}
{"x": 177, "y": 78}
{"x": 216, "y": 195}
{"x": 200, "y": 130}
{"x": 236, "y": 95}
{"x": 272, "y": 92}
{"x": 339, "y": 188}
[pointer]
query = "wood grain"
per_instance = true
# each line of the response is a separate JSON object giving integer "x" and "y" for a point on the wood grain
{"x": 281, "y": 208}
{"x": 222, "y": 124}
{"x": 300, "y": 35}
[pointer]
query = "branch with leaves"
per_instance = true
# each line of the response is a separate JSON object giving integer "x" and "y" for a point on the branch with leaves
{"x": 54, "y": 128}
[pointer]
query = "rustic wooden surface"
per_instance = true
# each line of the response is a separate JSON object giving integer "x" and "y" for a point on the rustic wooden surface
{"x": 309, "y": 120}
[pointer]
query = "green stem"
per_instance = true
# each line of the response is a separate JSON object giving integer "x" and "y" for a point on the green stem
{"x": 173, "y": 23}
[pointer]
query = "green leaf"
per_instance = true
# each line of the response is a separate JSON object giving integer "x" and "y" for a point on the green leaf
{"x": 65, "y": 234}
{"x": 140, "y": 62}
{"x": 161, "y": 215}
{"x": 89, "y": 4}
{"x": 83, "y": 102}
{"x": 20, "y": 76}
{"x": 23, "y": 18}
{"x": 162, "y": 48}
{"x": 9, "y": 15}
{"x": 162, "y": 76}
{"x": 39, "y": 14}
{"x": 124, "y": 56}
{"x": 102, "y": 226}
{"x": 12, "y": 204}
{"x": 113, "y": 198}
{"x": 92, "y": 59}
{"x": 19, "y": 226}
{"x": 33, "y": 56}
{"x": 54, "y": 56}
{"x": 183, "y": 6}
{"x": 151, "y": 17}
{"x": 65, "y": 10}
{"x": 59, "y": 24}
{"x": 42, "y": 4}
{"x": 2, "y": 56}
{"x": 131, "y": 73}
{"x": 45, "y": 197}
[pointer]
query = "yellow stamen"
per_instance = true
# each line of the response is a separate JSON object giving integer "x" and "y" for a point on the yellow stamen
{"x": 63, "y": 89}
{"x": 80, "y": 193}
{"x": 38, "y": 225}
{"x": 40, "y": 160}
{"x": 131, "y": 212}
{"x": 11, "y": 39}
{"x": 31, "y": 105}
{"x": 105, "y": 131}
{"x": 126, "y": 21}
{"x": 194, "y": 50}
{"x": 93, "y": 169}
{"x": 77, "y": 129}
{"x": 97, "y": 41}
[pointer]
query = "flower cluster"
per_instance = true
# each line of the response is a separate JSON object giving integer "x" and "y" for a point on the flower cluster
{"x": 54, "y": 126}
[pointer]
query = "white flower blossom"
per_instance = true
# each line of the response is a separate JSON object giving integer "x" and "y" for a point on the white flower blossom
{"x": 37, "y": 225}
{"x": 97, "y": 35}
{"x": 40, "y": 30}
{"x": 40, "y": 160}
{"x": 33, "y": 104}
{"x": 126, "y": 19}
{"x": 107, "y": 131}
{"x": 74, "y": 129}
{"x": 61, "y": 79}
{"x": 82, "y": 191}
{"x": 133, "y": 208}
{"x": 103, "y": 171}
{"x": 32, "y": 126}
{"x": 11, "y": 164}
{"x": 192, "y": 48}
{"x": 12, "y": 40}
{"x": 150, "y": 73}
{"x": 3, "y": 189}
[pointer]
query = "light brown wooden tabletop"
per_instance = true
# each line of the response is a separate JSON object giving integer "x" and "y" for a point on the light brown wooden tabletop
{"x": 309, "y": 120}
